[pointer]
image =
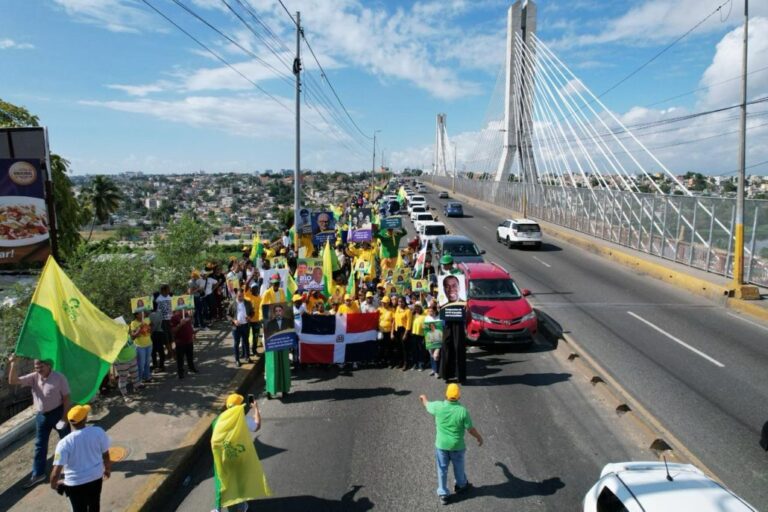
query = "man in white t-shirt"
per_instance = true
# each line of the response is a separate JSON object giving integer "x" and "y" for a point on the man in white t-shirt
{"x": 83, "y": 456}
{"x": 209, "y": 299}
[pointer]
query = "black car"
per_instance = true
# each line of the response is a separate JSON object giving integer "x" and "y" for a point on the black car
{"x": 461, "y": 248}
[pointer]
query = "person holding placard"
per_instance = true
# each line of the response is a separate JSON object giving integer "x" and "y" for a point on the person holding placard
{"x": 184, "y": 336}
{"x": 239, "y": 312}
{"x": 277, "y": 364}
{"x": 141, "y": 330}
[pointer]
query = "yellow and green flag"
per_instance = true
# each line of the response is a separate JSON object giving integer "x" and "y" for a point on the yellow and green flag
{"x": 330, "y": 265}
{"x": 62, "y": 325}
{"x": 291, "y": 286}
{"x": 257, "y": 248}
{"x": 237, "y": 471}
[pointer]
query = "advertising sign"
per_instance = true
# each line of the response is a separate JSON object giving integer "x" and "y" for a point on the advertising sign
{"x": 279, "y": 327}
{"x": 24, "y": 229}
{"x": 309, "y": 274}
{"x": 323, "y": 227}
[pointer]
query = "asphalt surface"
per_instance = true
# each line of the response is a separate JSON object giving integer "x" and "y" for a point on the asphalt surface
{"x": 360, "y": 440}
{"x": 698, "y": 367}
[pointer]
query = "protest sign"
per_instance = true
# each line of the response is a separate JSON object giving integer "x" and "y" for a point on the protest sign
{"x": 420, "y": 285}
{"x": 433, "y": 334}
{"x": 141, "y": 304}
{"x": 182, "y": 302}
{"x": 392, "y": 223}
{"x": 309, "y": 274}
{"x": 451, "y": 289}
{"x": 279, "y": 262}
{"x": 361, "y": 229}
{"x": 323, "y": 227}
{"x": 279, "y": 327}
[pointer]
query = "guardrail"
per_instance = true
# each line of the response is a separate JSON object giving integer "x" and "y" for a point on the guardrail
{"x": 695, "y": 231}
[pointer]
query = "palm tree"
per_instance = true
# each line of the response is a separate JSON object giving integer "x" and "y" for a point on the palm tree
{"x": 104, "y": 198}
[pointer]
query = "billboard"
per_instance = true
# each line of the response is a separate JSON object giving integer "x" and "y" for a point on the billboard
{"x": 24, "y": 227}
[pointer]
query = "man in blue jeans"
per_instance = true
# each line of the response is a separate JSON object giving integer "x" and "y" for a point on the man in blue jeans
{"x": 50, "y": 397}
{"x": 451, "y": 421}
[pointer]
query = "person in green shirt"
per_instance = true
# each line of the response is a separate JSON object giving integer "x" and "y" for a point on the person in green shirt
{"x": 390, "y": 242}
{"x": 451, "y": 421}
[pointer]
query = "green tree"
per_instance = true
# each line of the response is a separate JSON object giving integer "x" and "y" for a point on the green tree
{"x": 67, "y": 206}
{"x": 183, "y": 248}
{"x": 104, "y": 198}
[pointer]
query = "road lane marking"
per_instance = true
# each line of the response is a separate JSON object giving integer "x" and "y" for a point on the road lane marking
{"x": 749, "y": 321}
{"x": 543, "y": 263}
{"x": 677, "y": 340}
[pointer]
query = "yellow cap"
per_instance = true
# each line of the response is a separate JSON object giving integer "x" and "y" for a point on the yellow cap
{"x": 78, "y": 413}
{"x": 235, "y": 399}
{"x": 297, "y": 297}
{"x": 347, "y": 297}
{"x": 452, "y": 392}
{"x": 385, "y": 300}
{"x": 368, "y": 294}
{"x": 195, "y": 274}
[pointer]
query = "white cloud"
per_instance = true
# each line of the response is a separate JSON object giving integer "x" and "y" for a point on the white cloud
{"x": 113, "y": 15}
{"x": 726, "y": 64}
{"x": 573, "y": 86}
{"x": 142, "y": 90}
{"x": 10, "y": 44}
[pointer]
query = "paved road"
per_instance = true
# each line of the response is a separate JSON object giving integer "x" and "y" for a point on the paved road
{"x": 358, "y": 441}
{"x": 701, "y": 369}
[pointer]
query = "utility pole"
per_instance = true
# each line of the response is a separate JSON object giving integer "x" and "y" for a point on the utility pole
{"x": 742, "y": 290}
{"x": 453, "y": 185}
{"x": 297, "y": 170}
{"x": 373, "y": 160}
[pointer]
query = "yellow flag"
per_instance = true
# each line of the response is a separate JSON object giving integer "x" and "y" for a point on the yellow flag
{"x": 237, "y": 470}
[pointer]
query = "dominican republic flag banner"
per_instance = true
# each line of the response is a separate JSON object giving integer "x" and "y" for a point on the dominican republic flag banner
{"x": 327, "y": 339}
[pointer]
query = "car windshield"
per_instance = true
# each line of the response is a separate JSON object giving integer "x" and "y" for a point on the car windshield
{"x": 454, "y": 205}
{"x": 465, "y": 249}
{"x": 424, "y": 216}
{"x": 419, "y": 209}
{"x": 493, "y": 289}
{"x": 528, "y": 228}
{"x": 434, "y": 230}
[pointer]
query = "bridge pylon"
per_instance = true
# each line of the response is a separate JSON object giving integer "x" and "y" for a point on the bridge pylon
{"x": 518, "y": 102}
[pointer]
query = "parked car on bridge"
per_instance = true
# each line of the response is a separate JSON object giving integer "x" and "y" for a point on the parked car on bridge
{"x": 428, "y": 231}
{"x": 416, "y": 200}
{"x": 421, "y": 218}
{"x": 519, "y": 233}
{"x": 416, "y": 210}
{"x": 652, "y": 487}
{"x": 443, "y": 195}
{"x": 461, "y": 248}
{"x": 498, "y": 312}
{"x": 453, "y": 210}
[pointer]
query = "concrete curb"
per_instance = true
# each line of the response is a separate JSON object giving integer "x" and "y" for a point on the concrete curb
{"x": 614, "y": 393}
{"x": 24, "y": 425}
{"x": 681, "y": 279}
{"x": 159, "y": 487}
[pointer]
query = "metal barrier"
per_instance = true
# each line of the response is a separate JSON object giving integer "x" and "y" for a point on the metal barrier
{"x": 692, "y": 230}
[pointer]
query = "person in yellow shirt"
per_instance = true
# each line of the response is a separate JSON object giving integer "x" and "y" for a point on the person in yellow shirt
{"x": 403, "y": 321}
{"x": 254, "y": 321}
{"x": 349, "y": 306}
{"x": 315, "y": 297}
{"x": 386, "y": 322}
{"x": 277, "y": 365}
{"x": 363, "y": 252}
{"x": 141, "y": 329}
{"x": 419, "y": 351}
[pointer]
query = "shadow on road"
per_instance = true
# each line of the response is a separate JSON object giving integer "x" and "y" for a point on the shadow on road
{"x": 339, "y": 394}
{"x": 513, "y": 488}
{"x": 347, "y": 503}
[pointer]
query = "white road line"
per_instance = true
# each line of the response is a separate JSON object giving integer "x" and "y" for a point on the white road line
{"x": 677, "y": 340}
{"x": 543, "y": 263}
{"x": 749, "y": 321}
{"x": 486, "y": 227}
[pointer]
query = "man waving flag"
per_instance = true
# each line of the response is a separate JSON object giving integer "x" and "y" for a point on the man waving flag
{"x": 63, "y": 326}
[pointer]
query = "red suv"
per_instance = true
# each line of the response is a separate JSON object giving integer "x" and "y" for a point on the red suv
{"x": 497, "y": 310}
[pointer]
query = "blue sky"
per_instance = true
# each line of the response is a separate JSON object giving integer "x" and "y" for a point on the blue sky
{"x": 121, "y": 89}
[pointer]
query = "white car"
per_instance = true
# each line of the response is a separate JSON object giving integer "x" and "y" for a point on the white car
{"x": 416, "y": 200}
{"x": 650, "y": 487}
{"x": 428, "y": 231}
{"x": 417, "y": 209}
{"x": 421, "y": 218}
{"x": 518, "y": 233}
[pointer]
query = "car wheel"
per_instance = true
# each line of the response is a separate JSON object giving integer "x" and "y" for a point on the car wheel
{"x": 498, "y": 238}
{"x": 538, "y": 246}
{"x": 509, "y": 243}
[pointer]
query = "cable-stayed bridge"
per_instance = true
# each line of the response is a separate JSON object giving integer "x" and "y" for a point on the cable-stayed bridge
{"x": 551, "y": 149}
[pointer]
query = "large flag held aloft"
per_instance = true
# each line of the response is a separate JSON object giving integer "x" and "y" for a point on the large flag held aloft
{"x": 237, "y": 471}
{"x": 62, "y": 325}
{"x": 338, "y": 338}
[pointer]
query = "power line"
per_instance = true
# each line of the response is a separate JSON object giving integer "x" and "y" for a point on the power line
{"x": 217, "y": 56}
{"x": 322, "y": 72}
{"x": 703, "y": 88}
{"x": 261, "y": 38}
{"x": 663, "y": 50}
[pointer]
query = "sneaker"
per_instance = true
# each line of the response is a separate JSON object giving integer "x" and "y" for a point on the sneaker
{"x": 34, "y": 480}
{"x": 445, "y": 500}
{"x": 431, "y": 374}
{"x": 461, "y": 490}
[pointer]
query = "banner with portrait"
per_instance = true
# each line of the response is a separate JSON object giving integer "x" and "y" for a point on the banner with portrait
{"x": 309, "y": 274}
{"x": 452, "y": 296}
{"x": 279, "y": 262}
{"x": 360, "y": 225}
{"x": 323, "y": 228}
{"x": 281, "y": 273}
{"x": 141, "y": 304}
{"x": 304, "y": 222}
{"x": 182, "y": 302}
{"x": 433, "y": 334}
{"x": 420, "y": 285}
{"x": 279, "y": 326}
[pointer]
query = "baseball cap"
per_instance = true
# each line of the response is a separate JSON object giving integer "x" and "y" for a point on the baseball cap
{"x": 452, "y": 392}
{"x": 368, "y": 294}
{"x": 234, "y": 399}
{"x": 385, "y": 300}
{"x": 447, "y": 259}
{"x": 297, "y": 297}
{"x": 275, "y": 278}
{"x": 78, "y": 413}
{"x": 347, "y": 296}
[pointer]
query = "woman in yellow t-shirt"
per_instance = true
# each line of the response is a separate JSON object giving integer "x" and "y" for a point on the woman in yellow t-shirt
{"x": 402, "y": 331}
{"x": 140, "y": 330}
{"x": 419, "y": 351}
{"x": 386, "y": 321}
